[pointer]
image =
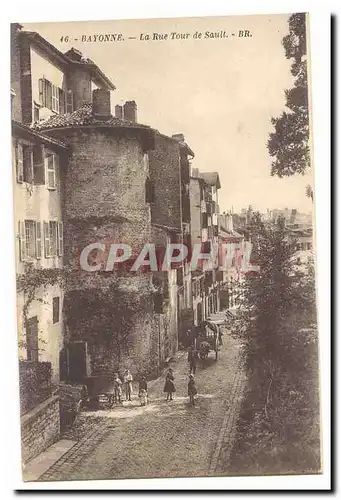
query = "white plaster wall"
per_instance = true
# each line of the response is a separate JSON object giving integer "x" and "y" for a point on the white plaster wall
{"x": 42, "y": 68}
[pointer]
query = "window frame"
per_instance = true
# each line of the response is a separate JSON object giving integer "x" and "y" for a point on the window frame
{"x": 30, "y": 246}
{"x": 49, "y": 170}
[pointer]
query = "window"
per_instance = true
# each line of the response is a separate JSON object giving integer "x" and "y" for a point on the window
{"x": 27, "y": 163}
{"x": 150, "y": 191}
{"x": 29, "y": 240}
{"x": 38, "y": 165}
{"x": 204, "y": 220}
{"x": 51, "y": 239}
{"x": 55, "y": 98}
{"x": 51, "y": 162}
{"x": 32, "y": 339}
{"x": 55, "y": 309}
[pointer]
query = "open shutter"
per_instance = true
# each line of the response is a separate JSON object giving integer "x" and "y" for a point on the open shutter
{"x": 46, "y": 239}
{"x": 38, "y": 240}
{"x": 48, "y": 93}
{"x": 62, "y": 102}
{"x": 42, "y": 93}
{"x": 19, "y": 162}
{"x": 68, "y": 101}
{"x": 22, "y": 240}
{"x": 60, "y": 239}
{"x": 50, "y": 162}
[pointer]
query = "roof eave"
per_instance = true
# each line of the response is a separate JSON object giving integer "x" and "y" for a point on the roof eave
{"x": 21, "y": 129}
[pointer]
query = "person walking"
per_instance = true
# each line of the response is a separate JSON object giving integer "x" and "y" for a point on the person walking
{"x": 143, "y": 391}
{"x": 169, "y": 387}
{"x": 128, "y": 384}
{"x": 192, "y": 390}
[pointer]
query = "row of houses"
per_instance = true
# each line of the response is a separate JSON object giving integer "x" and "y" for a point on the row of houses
{"x": 82, "y": 175}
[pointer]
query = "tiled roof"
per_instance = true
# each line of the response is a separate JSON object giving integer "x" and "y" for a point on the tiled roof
{"x": 83, "y": 117}
{"x": 19, "y": 129}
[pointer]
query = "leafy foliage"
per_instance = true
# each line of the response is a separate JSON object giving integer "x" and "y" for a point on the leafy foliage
{"x": 277, "y": 324}
{"x": 289, "y": 144}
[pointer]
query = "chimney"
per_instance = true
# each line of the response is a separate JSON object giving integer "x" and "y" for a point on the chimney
{"x": 119, "y": 111}
{"x": 179, "y": 137}
{"x": 130, "y": 111}
{"x": 74, "y": 54}
{"x": 101, "y": 103}
{"x": 195, "y": 172}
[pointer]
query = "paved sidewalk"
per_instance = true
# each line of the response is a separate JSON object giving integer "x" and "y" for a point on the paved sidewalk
{"x": 163, "y": 439}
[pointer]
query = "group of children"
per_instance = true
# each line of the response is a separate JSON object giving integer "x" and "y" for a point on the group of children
{"x": 169, "y": 387}
{"x": 127, "y": 382}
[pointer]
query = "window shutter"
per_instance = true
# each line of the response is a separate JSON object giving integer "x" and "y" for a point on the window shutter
{"x": 60, "y": 239}
{"x": 68, "y": 101}
{"x": 62, "y": 104}
{"x": 46, "y": 239}
{"x": 48, "y": 94}
{"x": 22, "y": 240}
{"x": 19, "y": 162}
{"x": 42, "y": 93}
{"x": 38, "y": 240}
{"x": 50, "y": 162}
{"x": 55, "y": 98}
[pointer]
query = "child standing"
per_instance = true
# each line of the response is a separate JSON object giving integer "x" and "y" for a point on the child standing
{"x": 117, "y": 388}
{"x": 128, "y": 384}
{"x": 192, "y": 390}
{"x": 143, "y": 391}
{"x": 169, "y": 387}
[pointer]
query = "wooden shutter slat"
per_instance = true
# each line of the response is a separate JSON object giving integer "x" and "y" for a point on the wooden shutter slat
{"x": 19, "y": 162}
{"x": 22, "y": 240}
{"x": 60, "y": 239}
{"x": 46, "y": 239}
{"x": 38, "y": 240}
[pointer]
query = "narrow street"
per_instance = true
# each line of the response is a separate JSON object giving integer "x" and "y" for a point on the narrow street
{"x": 163, "y": 439}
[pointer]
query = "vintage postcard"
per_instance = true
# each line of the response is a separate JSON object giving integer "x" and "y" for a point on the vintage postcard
{"x": 165, "y": 248}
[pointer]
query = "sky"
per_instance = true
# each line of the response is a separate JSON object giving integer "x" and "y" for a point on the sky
{"x": 219, "y": 92}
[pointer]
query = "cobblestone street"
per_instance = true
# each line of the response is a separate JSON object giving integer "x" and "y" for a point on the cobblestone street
{"x": 163, "y": 439}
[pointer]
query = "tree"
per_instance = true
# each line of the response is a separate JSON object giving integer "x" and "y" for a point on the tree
{"x": 288, "y": 145}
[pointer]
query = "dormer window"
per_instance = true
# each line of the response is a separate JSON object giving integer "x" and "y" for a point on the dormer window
{"x": 53, "y": 97}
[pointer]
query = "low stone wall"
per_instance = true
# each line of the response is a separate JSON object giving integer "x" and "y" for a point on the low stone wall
{"x": 40, "y": 428}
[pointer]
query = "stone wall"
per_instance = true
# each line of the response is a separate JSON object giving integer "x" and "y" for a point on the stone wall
{"x": 40, "y": 428}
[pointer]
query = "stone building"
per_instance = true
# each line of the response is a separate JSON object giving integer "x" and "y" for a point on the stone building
{"x": 204, "y": 207}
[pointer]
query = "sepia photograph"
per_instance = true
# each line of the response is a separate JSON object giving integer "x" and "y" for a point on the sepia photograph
{"x": 164, "y": 228}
